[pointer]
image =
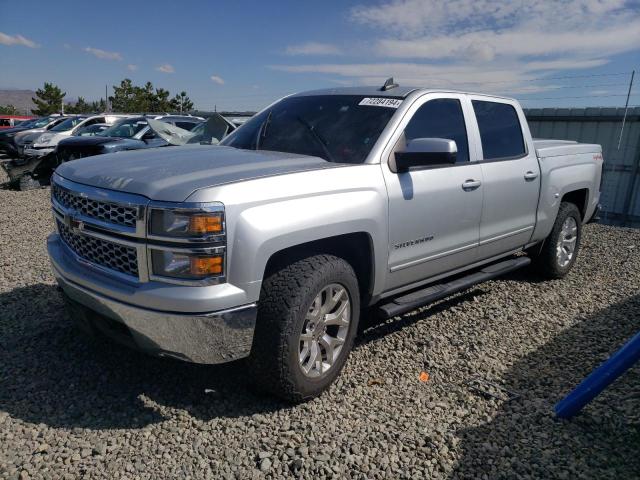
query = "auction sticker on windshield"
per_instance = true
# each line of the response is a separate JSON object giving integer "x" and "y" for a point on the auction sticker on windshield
{"x": 381, "y": 102}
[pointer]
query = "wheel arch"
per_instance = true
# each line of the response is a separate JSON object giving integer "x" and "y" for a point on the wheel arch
{"x": 579, "y": 198}
{"x": 355, "y": 248}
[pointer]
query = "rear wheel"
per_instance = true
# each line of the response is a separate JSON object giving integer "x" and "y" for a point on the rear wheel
{"x": 307, "y": 319}
{"x": 560, "y": 249}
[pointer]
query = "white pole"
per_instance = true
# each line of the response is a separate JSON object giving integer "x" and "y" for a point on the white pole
{"x": 626, "y": 108}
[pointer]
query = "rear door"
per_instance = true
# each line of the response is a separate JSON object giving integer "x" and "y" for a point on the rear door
{"x": 434, "y": 213}
{"x": 511, "y": 176}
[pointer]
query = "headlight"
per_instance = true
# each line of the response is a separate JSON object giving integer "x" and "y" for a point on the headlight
{"x": 44, "y": 139}
{"x": 187, "y": 266}
{"x": 198, "y": 224}
{"x": 10, "y": 135}
{"x": 191, "y": 242}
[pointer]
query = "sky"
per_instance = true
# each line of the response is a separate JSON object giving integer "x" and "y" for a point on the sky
{"x": 242, "y": 55}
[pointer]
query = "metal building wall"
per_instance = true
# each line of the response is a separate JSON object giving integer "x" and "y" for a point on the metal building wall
{"x": 620, "y": 197}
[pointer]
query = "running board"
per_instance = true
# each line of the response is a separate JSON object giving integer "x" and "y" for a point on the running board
{"x": 420, "y": 298}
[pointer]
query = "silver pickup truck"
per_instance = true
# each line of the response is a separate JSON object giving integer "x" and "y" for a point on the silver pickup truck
{"x": 326, "y": 203}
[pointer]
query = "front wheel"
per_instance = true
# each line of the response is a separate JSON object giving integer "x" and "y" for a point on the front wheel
{"x": 307, "y": 319}
{"x": 560, "y": 249}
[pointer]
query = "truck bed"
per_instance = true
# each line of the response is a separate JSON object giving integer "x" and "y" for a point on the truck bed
{"x": 554, "y": 148}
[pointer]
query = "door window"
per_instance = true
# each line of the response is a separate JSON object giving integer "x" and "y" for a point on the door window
{"x": 440, "y": 118}
{"x": 500, "y": 130}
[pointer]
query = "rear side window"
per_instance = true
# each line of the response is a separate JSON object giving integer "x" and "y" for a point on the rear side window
{"x": 440, "y": 118}
{"x": 500, "y": 130}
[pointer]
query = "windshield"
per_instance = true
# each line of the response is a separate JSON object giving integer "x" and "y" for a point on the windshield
{"x": 125, "y": 128}
{"x": 338, "y": 128}
{"x": 42, "y": 122}
{"x": 68, "y": 124}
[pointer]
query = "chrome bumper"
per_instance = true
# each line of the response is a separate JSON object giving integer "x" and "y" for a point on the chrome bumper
{"x": 212, "y": 337}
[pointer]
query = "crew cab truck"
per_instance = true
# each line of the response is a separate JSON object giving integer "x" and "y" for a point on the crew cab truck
{"x": 268, "y": 246}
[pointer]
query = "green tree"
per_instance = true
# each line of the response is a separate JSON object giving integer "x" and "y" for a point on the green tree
{"x": 81, "y": 106}
{"x": 8, "y": 110}
{"x": 124, "y": 97}
{"x": 181, "y": 103}
{"x": 130, "y": 98}
{"x": 48, "y": 100}
{"x": 99, "y": 106}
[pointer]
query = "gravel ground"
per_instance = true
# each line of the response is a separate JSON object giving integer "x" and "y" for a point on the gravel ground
{"x": 71, "y": 407}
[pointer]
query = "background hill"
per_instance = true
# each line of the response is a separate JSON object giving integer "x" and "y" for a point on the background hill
{"x": 21, "y": 99}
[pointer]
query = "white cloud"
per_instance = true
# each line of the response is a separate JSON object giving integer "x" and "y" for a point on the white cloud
{"x": 166, "y": 68}
{"x": 435, "y": 17}
{"x": 103, "y": 54}
{"x": 132, "y": 67}
{"x": 312, "y": 48}
{"x": 512, "y": 78}
{"x": 11, "y": 40}
{"x": 485, "y": 45}
{"x": 217, "y": 79}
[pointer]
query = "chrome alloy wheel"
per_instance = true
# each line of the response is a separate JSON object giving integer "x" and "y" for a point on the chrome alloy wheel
{"x": 566, "y": 245}
{"x": 324, "y": 330}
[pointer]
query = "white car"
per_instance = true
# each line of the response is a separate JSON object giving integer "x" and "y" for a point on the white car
{"x": 48, "y": 141}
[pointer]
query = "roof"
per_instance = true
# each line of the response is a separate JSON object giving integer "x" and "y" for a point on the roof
{"x": 400, "y": 91}
{"x": 371, "y": 91}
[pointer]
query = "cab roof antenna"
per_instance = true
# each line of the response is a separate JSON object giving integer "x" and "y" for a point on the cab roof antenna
{"x": 388, "y": 85}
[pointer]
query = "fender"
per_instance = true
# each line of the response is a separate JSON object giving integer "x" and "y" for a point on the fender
{"x": 559, "y": 179}
{"x": 264, "y": 230}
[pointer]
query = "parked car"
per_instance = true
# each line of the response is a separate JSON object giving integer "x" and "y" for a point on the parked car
{"x": 134, "y": 134}
{"x": 38, "y": 160}
{"x": 8, "y": 136}
{"x": 46, "y": 143}
{"x": 25, "y": 139}
{"x": 10, "y": 121}
{"x": 326, "y": 202}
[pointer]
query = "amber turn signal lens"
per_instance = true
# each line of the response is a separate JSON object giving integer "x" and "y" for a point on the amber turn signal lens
{"x": 206, "y": 265}
{"x": 201, "y": 224}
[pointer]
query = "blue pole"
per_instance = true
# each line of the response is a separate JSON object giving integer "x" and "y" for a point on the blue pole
{"x": 599, "y": 379}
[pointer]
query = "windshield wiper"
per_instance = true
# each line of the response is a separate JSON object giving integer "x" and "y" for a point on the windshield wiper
{"x": 321, "y": 141}
{"x": 262, "y": 131}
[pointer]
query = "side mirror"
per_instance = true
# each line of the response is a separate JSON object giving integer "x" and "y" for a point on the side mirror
{"x": 426, "y": 152}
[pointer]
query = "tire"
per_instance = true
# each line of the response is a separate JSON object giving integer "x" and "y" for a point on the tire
{"x": 288, "y": 304}
{"x": 550, "y": 262}
{"x": 27, "y": 182}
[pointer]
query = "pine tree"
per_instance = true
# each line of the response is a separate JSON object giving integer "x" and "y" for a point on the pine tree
{"x": 49, "y": 100}
{"x": 81, "y": 106}
{"x": 8, "y": 110}
{"x": 130, "y": 98}
{"x": 181, "y": 103}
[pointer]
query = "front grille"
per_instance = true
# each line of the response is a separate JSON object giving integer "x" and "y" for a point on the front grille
{"x": 104, "y": 211}
{"x": 111, "y": 255}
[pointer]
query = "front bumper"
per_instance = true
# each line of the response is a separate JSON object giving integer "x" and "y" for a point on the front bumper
{"x": 38, "y": 152}
{"x": 211, "y": 337}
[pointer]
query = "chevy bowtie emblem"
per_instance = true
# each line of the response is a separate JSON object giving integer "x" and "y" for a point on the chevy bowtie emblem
{"x": 72, "y": 222}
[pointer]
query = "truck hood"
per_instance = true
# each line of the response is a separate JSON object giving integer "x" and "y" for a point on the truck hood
{"x": 172, "y": 174}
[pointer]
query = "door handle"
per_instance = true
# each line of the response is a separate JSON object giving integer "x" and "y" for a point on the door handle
{"x": 530, "y": 175}
{"x": 470, "y": 185}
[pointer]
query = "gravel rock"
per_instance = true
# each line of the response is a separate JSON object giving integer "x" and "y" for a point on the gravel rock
{"x": 73, "y": 407}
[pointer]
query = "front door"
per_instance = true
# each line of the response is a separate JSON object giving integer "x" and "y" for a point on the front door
{"x": 434, "y": 213}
